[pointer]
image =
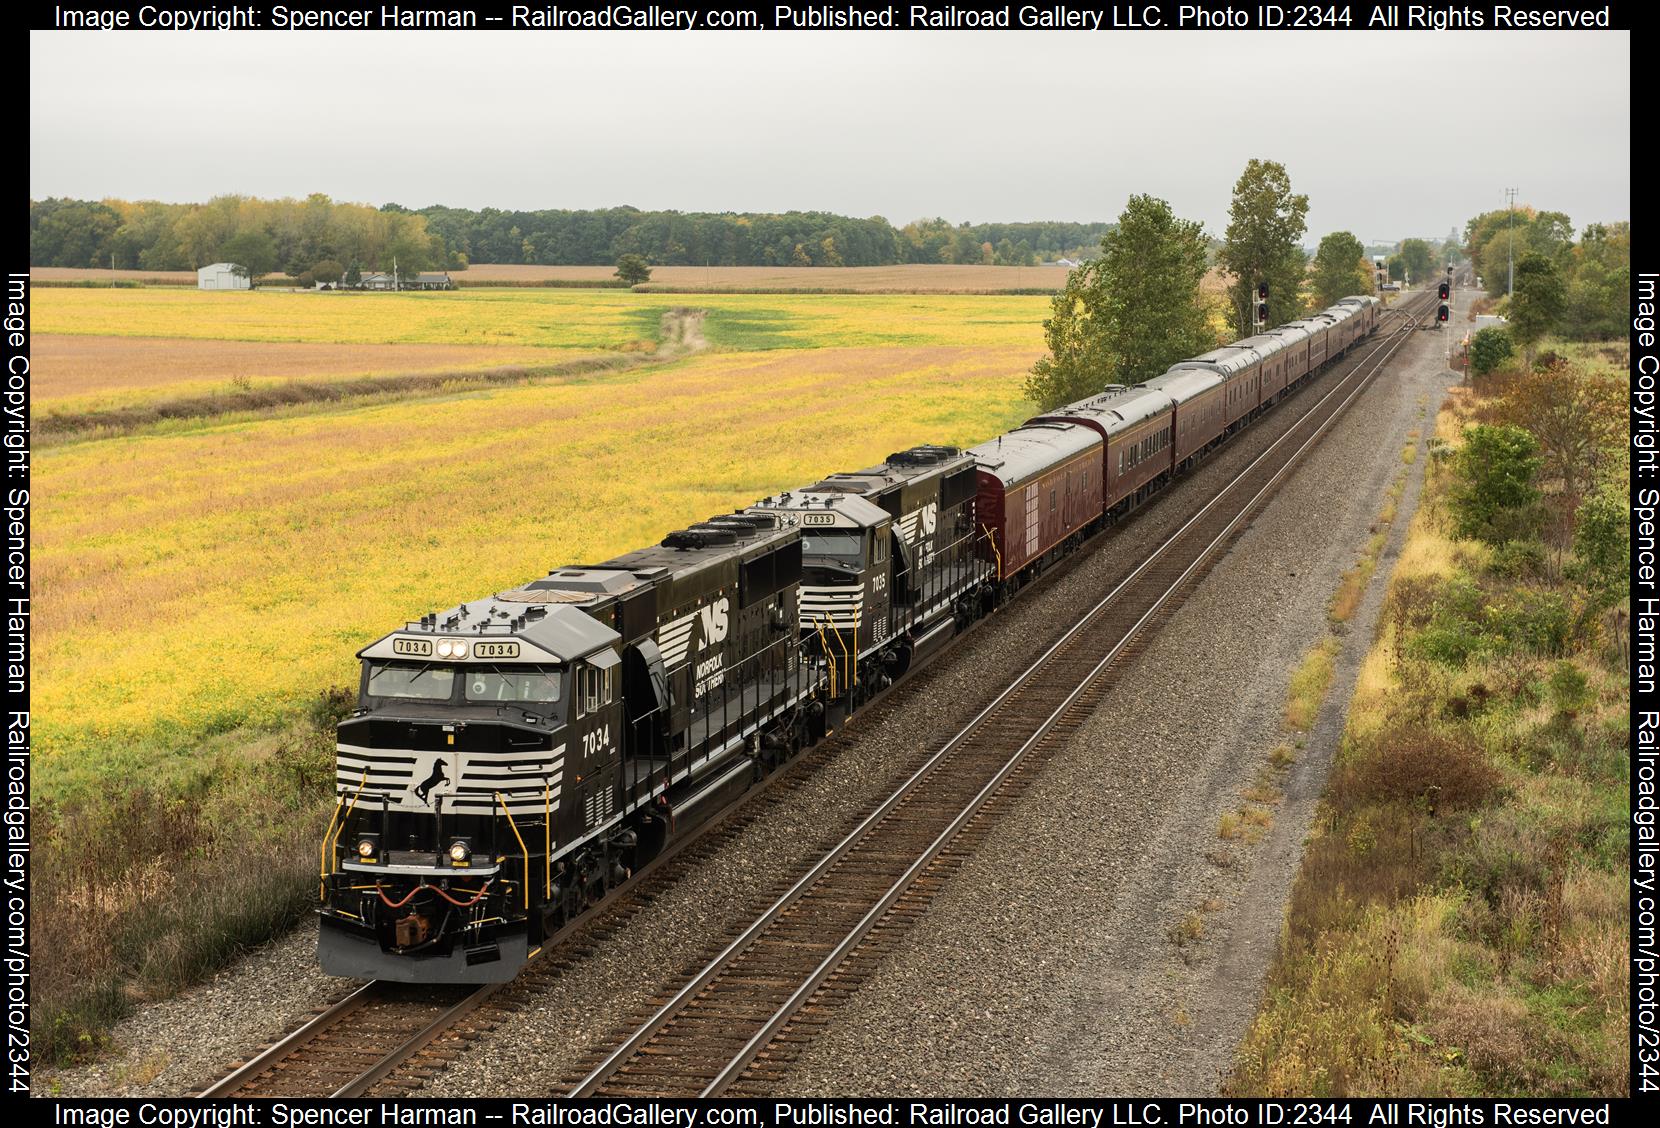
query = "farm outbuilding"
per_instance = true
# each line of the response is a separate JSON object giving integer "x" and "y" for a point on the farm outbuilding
{"x": 222, "y": 276}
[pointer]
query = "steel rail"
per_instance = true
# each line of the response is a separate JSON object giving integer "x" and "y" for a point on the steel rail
{"x": 294, "y": 1042}
{"x": 712, "y": 970}
{"x": 802, "y": 994}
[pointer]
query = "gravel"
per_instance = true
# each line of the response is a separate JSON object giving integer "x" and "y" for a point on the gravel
{"x": 175, "y": 1045}
{"x": 1000, "y": 988}
{"x": 1051, "y": 963}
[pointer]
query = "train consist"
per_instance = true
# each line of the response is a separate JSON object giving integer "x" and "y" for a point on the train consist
{"x": 515, "y": 757}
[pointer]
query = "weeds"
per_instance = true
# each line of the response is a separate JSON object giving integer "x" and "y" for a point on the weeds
{"x": 1459, "y": 923}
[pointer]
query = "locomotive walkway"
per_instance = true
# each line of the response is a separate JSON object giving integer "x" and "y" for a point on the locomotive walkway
{"x": 730, "y": 1027}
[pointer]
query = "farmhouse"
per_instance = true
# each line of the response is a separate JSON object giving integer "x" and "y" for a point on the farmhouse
{"x": 426, "y": 280}
{"x": 222, "y": 276}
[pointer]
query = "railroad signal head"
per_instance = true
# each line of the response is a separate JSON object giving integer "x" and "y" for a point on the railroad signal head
{"x": 1262, "y": 291}
{"x": 1446, "y": 291}
{"x": 1262, "y": 313}
{"x": 1441, "y": 314}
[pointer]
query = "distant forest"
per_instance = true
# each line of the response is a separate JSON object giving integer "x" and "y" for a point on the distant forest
{"x": 294, "y": 236}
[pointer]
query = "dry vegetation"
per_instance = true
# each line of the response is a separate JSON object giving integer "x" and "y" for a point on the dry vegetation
{"x": 901, "y": 278}
{"x": 1460, "y": 921}
{"x": 87, "y": 373}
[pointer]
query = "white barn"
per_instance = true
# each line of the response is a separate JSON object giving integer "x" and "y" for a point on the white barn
{"x": 221, "y": 276}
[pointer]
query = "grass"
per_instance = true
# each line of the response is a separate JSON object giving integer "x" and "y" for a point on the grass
{"x": 1309, "y": 684}
{"x": 1460, "y": 920}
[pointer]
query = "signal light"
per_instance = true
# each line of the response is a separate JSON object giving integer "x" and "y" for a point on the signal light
{"x": 1262, "y": 291}
{"x": 1446, "y": 291}
{"x": 1262, "y": 313}
{"x": 1441, "y": 314}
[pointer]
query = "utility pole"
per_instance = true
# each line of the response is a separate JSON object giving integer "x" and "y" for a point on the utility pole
{"x": 1510, "y": 204}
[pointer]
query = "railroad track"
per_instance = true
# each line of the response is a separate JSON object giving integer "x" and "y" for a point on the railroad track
{"x": 765, "y": 992}
{"x": 731, "y": 1026}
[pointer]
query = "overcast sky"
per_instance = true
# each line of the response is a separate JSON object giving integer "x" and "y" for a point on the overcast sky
{"x": 1390, "y": 134}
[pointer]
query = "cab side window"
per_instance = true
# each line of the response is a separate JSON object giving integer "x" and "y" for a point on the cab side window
{"x": 594, "y": 689}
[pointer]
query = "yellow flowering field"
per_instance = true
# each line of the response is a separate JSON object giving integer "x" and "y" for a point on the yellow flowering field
{"x": 194, "y": 582}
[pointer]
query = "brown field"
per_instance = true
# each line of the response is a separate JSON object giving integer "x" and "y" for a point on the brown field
{"x": 91, "y": 372}
{"x": 925, "y": 277}
{"x": 93, "y": 274}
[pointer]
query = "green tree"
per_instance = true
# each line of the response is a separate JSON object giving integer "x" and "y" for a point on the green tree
{"x": 632, "y": 269}
{"x": 1538, "y": 303}
{"x": 1602, "y": 546}
{"x": 253, "y": 251}
{"x": 1493, "y": 497}
{"x": 1489, "y": 348}
{"x": 1340, "y": 269}
{"x": 1263, "y": 243}
{"x": 328, "y": 271}
{"x": 1418, "y": 259}
{"x": 1129, "y": 314}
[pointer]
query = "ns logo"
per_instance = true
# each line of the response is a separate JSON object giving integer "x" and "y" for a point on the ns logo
{"x": 930, "y": 517}
{"x": 713, "y": 620}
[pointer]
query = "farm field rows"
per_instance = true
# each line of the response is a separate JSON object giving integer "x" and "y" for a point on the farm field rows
{"x": 231, "y": 569}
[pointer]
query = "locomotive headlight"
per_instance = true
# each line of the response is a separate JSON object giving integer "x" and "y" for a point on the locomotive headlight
{"x": 460, "y": 852}
{"x": 366, "y": 848}
{"x": 456, "y": 648}
{"x": 445, "y": 648}
{"x": 460, "y": 649}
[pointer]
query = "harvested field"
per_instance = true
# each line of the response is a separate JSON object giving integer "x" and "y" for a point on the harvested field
{"x": 95, "y": 274}
{"x": 74, "y": 373}
{"x": 910, "y": 277}
{"x": 943, "y": 278}
{"x": 264, "y": 553}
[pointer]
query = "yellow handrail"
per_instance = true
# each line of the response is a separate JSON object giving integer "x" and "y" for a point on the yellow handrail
{"x": 523, "y": 849}
{"x": 331, "y": 835}
{"x": 849, "y": 662}
{"x": 829, "y": 658}
{"x": 547, "y": 837}
{"x": 997, "y": 554}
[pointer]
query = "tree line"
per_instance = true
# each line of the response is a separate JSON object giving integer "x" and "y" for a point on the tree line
{"x": 294, "y": 236}
{"x": 1127, "y": 315}
{"x": 1580, "y": 289}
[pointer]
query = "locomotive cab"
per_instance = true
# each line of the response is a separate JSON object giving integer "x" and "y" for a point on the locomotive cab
{"x": 485, "y": 742}
{"x": 847, "y": 562}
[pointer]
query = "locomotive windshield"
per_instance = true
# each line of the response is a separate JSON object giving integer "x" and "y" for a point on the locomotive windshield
{"x": 513, "y": 683}
{"x": 421, "y": 683}
{"x": 844, "y": 548}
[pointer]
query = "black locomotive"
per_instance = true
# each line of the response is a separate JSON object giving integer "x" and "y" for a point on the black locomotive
{"x": 515, "y": 757}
